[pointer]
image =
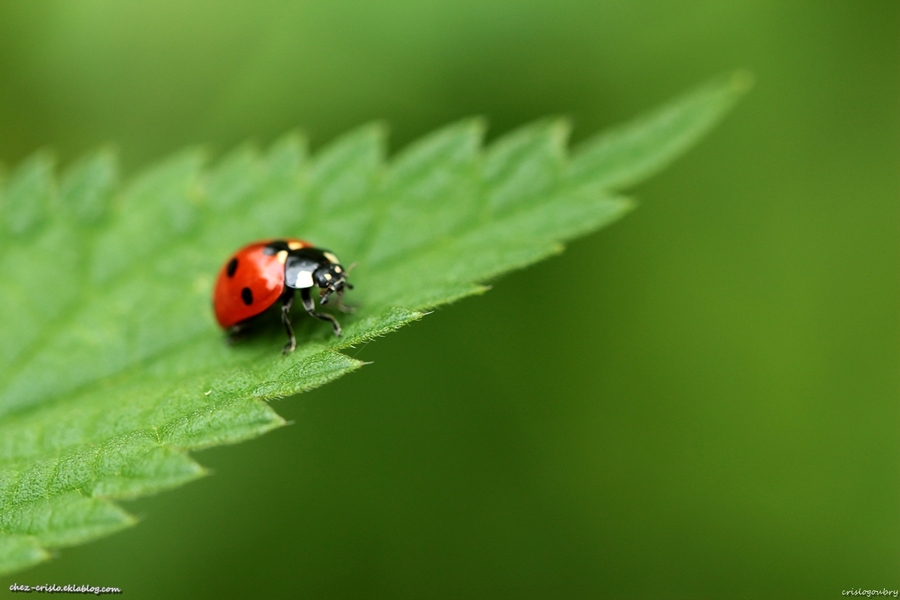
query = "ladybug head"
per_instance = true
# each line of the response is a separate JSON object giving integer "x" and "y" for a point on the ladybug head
{"x": 331, "y": 277}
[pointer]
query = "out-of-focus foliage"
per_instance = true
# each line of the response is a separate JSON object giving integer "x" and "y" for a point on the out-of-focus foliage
{"x": 723, "y": 417}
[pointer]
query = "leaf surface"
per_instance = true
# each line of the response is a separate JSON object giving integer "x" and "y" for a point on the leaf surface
{"x": 112, "y": 368}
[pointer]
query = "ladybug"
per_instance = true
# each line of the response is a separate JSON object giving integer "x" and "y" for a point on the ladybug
{"x": 262, "y": 273}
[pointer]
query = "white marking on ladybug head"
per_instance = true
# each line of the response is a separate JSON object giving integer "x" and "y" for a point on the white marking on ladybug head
{"x": 331, "y": 257}
{"x": 282, "y": 256}
{"x": 304, "y": 280}
{"x": 295, "y": 245}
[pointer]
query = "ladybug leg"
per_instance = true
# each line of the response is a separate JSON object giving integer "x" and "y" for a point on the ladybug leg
{"x": 287, "y": 301}
{"x": 236, "y": 333}
{"x": 310, "y": 307}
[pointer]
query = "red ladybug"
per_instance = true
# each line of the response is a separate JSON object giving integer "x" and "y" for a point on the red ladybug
{"x": 262, "y": 273}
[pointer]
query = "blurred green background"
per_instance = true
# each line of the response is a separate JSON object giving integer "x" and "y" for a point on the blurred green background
{"x": 714, "y": 413}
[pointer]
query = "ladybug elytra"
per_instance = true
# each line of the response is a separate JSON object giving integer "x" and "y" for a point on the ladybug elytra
{"x": 262, "y": 273}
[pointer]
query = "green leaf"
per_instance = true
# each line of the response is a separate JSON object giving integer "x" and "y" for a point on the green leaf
{"x": 113, "y": 368}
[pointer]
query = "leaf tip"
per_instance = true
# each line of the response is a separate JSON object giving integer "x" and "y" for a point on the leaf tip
{"x": 626, "y": 203}
{"x": 479, "y": 123}
{"x": 294, "y": 137}
{"x": 19, "y": 552}
{"x": 379, "y": 129}
{"x": 476, "y": 126}
{"x": 742, "y": 81}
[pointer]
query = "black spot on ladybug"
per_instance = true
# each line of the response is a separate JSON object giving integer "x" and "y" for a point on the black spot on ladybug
{"x": 232, "y": 266}
{"x": 247, "y": 296}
